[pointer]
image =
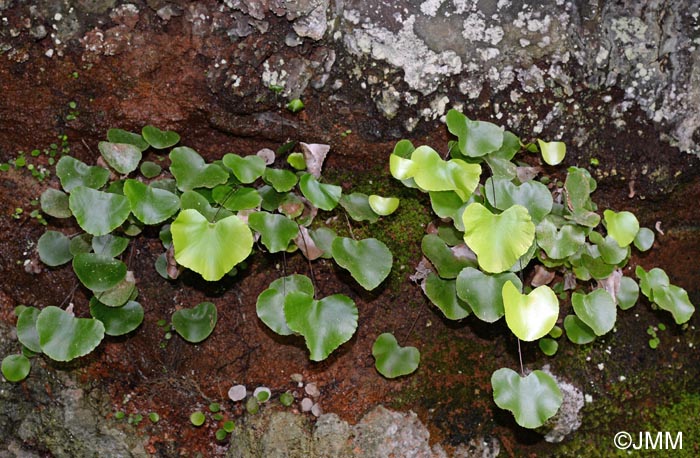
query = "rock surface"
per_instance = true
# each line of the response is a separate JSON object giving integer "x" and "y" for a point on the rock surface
{"x": 415, "y": 58}
{"x": 381, "y": 433}
{"x": 51, "y": 413}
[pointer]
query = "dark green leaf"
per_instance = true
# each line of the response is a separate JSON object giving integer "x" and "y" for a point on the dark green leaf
{"x": 54, "y": 248}
{"x": 64, "y": 337}
{"x": 195, "y": 324}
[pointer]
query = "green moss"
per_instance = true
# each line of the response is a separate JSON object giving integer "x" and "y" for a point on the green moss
{"x": 401, "y": 231}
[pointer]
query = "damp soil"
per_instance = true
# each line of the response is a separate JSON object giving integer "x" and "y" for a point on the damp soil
{"x": 145, "y": 372}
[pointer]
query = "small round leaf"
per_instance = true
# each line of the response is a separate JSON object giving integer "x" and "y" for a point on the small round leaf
{"x": 596, "y": 309}
{"x": 324, "y": 196}
{"x": 15, "y": 368}
{"x": 644, "y": 239}
{"x": 54, "y": 248}
{"x": 443, "y": 294}
{"x": 628, "y": 293}
{"x": 483, "y": 292}
{"x": 74, "y": 173}
{"x": 552, "y": 152}
{"x": 55, "y": 203}
{"x": 190, "y": 170}
{"x": 577, "y": 331}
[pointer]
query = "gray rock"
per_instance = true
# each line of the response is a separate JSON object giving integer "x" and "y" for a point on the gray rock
{"x": 381, "y": 433}
{"x": 568, "y": 418}
{"x": 69, "y": 422}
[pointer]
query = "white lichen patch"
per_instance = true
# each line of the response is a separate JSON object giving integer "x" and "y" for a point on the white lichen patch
{"x": 424, "y": 69}
{"x": 431, "y": 7}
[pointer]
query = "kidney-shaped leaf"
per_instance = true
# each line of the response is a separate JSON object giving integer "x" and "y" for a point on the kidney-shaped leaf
{"x": 675, "y": 300}
{"x": 368, "y": 261}
{"x": 123, "y": 136}
{"x": 97, "y": 212}
{"x": 533, "y": 399}
{"x": 64, "y": 337}
{"x": 324, "y": 196}
{"x": 325, "y": 324}
{"x": 74, "y": 173}
{"x": 476, "y": 138}
{"x": 562, "y": 243}
{"x": 150, "y": 205}
{"x": 498, "y": 240}
{"x": 628, "y": 293}
{"x": 210, "y": 249}
{"x": 432, "y": 173}
{"x": 190, "y": 170}
{"x": 247, "y": 169}
{"x": 622, "y": 226}
{"x": 270, "y": 304}
{"x": 392, "y": 360}
{"x": 530, "y": 316}
{"x": 276, "y": 230}
{"x": 577, "y": 331}
{"x": 443, "y": 294}
{"x": 122, "y": 157}
{"x": 653, "y": 279}
{"x": 533, "y": 195}
{"x": 383, "y": 206}
{"x": 358, "y": 207}
{"x": 281, "y": 180}
{"x": 483, "y": 292}
{"x": 195, "y": 324}
{"x": 55, "y": 203}
{"x": 159, "y": 139}
{"x": 54, "y": 248}
{"x": 117, "y": 320}
{"x": 98, "y": 272}
{"x": 596, "y": 309}
{"x": 109, "y": 245}
{"x": 552, "y": 152}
